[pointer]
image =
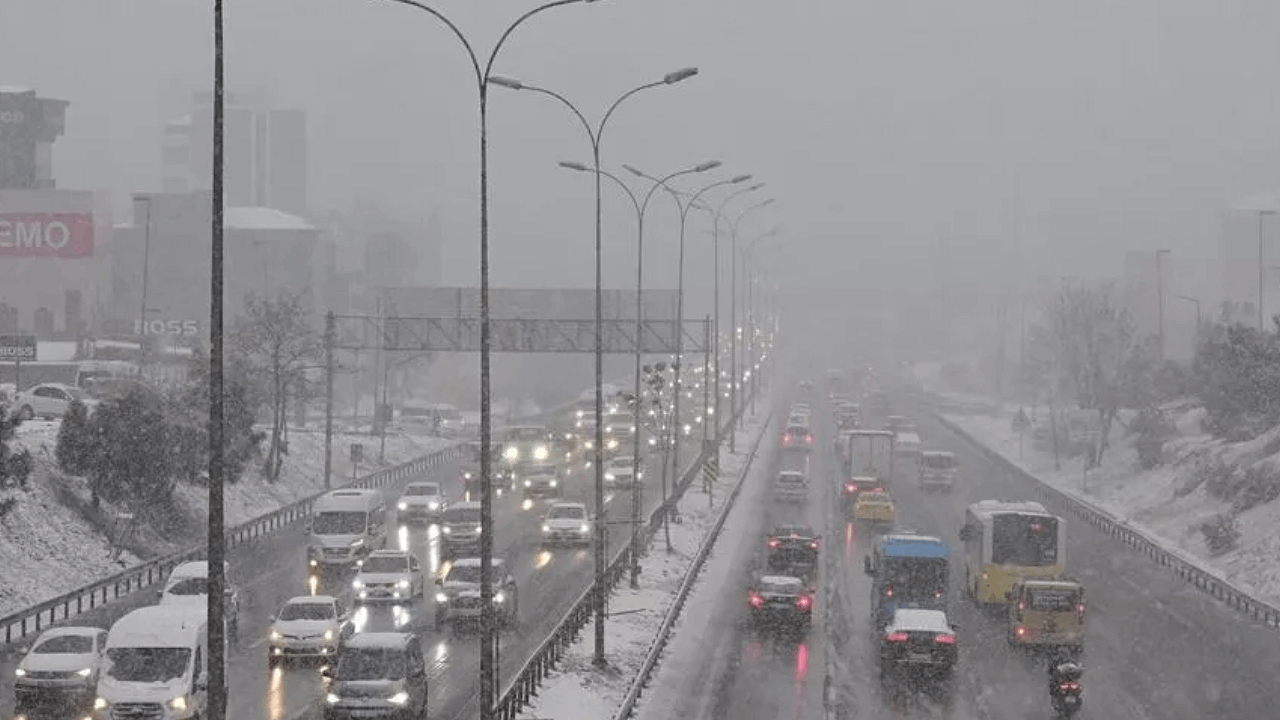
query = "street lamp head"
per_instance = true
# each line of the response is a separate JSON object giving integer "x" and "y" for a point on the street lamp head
{"x": 767, "y": 202}
{"x": 506, "y": 82}
{"x": 709, "y": 165}
{"x": 672, "y": 78}
{"x": 755, "y": 187}
{"x": 574, "y": 166}
{"x": 740, "y": 179}
{"x": 633, "y": 170}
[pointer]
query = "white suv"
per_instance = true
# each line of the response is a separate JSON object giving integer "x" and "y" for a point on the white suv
{"x": 421, "y": 500}
{"x": 388, "y": 576}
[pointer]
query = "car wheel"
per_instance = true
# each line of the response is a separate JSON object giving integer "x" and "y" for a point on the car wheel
{"x": 26, "y": 413}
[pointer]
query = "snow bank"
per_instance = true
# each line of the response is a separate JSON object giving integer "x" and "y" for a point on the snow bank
{"x": 1165, "y": 502}
{"x": 576, "y": 689}
{"x": 48, "y": 547}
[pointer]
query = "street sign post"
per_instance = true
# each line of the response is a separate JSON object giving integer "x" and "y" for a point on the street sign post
{"x": 18, "y": 349}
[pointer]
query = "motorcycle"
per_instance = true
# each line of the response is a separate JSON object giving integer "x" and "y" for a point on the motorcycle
{"x": 1065, "y": 690}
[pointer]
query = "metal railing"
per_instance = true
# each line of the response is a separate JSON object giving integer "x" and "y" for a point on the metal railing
{"x": 36, "y": 618}
{"x": 659, "y": 644}
{"x": 1184, "y": 568}
{"x": 524, "y": 685}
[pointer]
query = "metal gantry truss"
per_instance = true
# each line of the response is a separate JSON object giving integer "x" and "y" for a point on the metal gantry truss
{"x": 512, "y": 335}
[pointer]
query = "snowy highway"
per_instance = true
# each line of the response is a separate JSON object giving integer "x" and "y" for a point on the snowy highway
{"x": 273, "y": 570}
{"x": 1155, "y": 648}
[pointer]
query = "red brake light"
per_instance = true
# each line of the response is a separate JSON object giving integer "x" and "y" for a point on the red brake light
{"x": 1020, "y": 631}
{"x": 1070, "y": 687}
{"x": 849, "y": 487}
{"x": 1080, "y": 609}
{"x": 808, "y": 439}
{"x": 896, "y": 637}
{"x": 804, "y": 602}
{"x": 888, "y": 592}
{"x": 773, "y": 542}
{"x": 945, "y": 639}
{"x": 755, "y": 600}
{"x": 813, "y": 544}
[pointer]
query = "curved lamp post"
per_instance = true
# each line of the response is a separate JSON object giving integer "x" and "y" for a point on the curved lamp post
{"x": 594, "y": 134}
{"x": 483, "y": 75}
{"x": 684, "y": 206}
{"x": 748, "y": 262}
{"x": 640, "y": 207}
{"x": 733, "y": 311}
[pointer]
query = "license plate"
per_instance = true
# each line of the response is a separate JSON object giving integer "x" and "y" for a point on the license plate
{"x": 921, "y": 656}
{"x": 366, "y": 713}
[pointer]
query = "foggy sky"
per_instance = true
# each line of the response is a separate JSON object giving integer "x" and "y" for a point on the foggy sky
{"x": 1084, "y": 128}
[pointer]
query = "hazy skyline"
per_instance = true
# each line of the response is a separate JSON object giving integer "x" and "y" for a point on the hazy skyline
{"x": 1086, "y": 129}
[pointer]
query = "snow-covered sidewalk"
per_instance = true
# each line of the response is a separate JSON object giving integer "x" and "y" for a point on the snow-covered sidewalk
{"x": 579, "y": 690}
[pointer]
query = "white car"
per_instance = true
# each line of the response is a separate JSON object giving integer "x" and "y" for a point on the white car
{"x": 62, "y": 668}
{"x": 618, "y": 472}
{"x": 307, "y": 626}
{"x": 49, "y": 400}
{"x": 188, "y": 584}
{"x": 421, "y": 500}
{"x": 567, "y": 523}
{"x": 458, "y": 595}
{"x": 388, "y": 576}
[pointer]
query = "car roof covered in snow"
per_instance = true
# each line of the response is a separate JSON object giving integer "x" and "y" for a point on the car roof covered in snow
{"x": 908, "y": 619}
{"x": 159, "y": 626}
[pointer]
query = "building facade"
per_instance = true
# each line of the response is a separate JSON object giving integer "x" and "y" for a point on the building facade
{"x": 265, "y": 153}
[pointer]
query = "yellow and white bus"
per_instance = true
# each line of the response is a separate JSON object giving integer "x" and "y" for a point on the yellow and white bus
{"x": 1005, "y": 541}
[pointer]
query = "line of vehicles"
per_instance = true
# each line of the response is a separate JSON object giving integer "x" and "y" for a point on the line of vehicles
{"x": 1013, "y": 555}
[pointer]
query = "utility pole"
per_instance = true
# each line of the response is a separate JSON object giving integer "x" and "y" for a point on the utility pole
{"x": 1160, "y": 301}
{"x": 329, "y": 332}
{"x": 1261, "y": 266}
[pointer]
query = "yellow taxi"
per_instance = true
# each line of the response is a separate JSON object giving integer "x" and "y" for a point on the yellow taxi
{"x": 874, "y": 506}
{"x": 1047, "y": 613}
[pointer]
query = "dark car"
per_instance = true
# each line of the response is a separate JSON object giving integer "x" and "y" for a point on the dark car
{"x": 780, "y": 602}
{"x": 919, "y": 642}
{"x": 793, "y": 550}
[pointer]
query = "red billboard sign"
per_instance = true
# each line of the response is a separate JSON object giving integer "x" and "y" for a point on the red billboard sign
{"x": 60, "y": 235}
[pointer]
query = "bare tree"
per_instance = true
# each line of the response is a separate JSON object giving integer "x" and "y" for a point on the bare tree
{"x": 1095, "y": 338}
{"x": 275, "y": 336}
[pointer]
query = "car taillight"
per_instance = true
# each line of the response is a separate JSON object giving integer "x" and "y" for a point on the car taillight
{"x": 945, "y": 639}
{"x": 888, "y": 592}
{"x": 773, "y": 542}
{"x": 813, "y": 544}
{"x": 849, "y": 487}
{"x": 804, "y": 602}
{"x": 808, "y": 439}
{"x": 1022, "y": 606}
{"x": 755, "y": 600}
{"x": 1069, "y": 687}
{"x": 896, "y": 637}
{"x": 1020, "y": 631}
{"x": 1080, "y": 609}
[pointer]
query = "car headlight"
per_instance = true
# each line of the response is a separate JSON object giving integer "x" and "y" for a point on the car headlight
{"x": 399, "y": 698}
{"x": 528, "y": 483}
{"x": 433, "y": 505}
{"x": 613, "y": 445}
{"x": 610, "y": 476}
{"x": 328, "y": 634}
{"x": 358, "y": 542}
{"x": 499, "y": 597}
{"x": 640, "y": 475}
{"x": 466, "y": 476}
{"x": 402, "y": 584}
{"x": 402, "y": 505}
{"x": 653, "y": 441}
{"x": 479, "y": 529}
{"x": 99, "y": 704}
{"x": 442, "y": 598}
{"x": 553, "y": 483}
{"x": 511, "y": 453}
{"x": 584, "y": 528}
{"x": 446, "y": 530}
{"x": 546, "y": 528}
{"x": 357, "y": 583}
{"x": 20, "y": 672}
{"x": 540, "y": 452}
{"x": 179, "y": 703}
{"x": 275, "y": 635}
{"x": 332, "y": 699}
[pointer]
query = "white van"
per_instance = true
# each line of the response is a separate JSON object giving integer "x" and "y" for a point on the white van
{"x": 155, "y": 665}
{"x": 345, "y": 526}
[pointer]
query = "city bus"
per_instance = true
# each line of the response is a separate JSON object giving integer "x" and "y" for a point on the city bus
{"x": 908, "y": 570}
{"x": 1008, "y": 541}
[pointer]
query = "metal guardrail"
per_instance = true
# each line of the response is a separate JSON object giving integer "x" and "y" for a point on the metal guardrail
{"x": 1183, "y": 568}
{"x": 524, "y": 685}
{"x": 650, "y": 664}
{"x": 36, "y": 618}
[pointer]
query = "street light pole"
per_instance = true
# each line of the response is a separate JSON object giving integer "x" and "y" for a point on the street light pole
{"x": 215, "y": 554}
{"x": 594, "y": 135}
{"x": 679, "y": 364}
{"x": 640, "y": 208}
{"x": 749, "y": 262}
{"x": 1160, "y": 300}
{"x": 146, "y": 271}
{"x": 733, "y": 320}
{"x": 483, "y": 73}
{"x": 1261, "y": 266}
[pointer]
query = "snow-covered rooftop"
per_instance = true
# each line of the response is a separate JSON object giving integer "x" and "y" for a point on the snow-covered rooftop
{"x": 1268, "y": 200}
{"x": 14, "y": 89}
{"x": 263, "y": 218}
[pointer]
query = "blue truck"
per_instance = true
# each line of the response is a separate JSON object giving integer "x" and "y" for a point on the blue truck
{"x": 908, "y": 570}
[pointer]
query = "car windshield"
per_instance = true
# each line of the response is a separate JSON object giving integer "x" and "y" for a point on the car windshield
{"x": 463, "y": 573}
{"x": 791, "y": 477}
{"x": 370, "y": 664}
{"x": 940, "y": 462}
{"x": 459, "y": 516}
{"x": 189, "y": 586}
{"x": 1024, "y": 540}
{"x": 147, "y": 664}
{"x": 525, "y": 434}
{"x": 308, "y": 611}
{"x": 422, "y": 490}
{"x": 780, "y": 587}
{"x": 567, "y": 512}
{"x": 385, "y": 564}
{"x": 65, "y": 644}
{"x": 348, "y": 522}
{"x": 799, "y": 531}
